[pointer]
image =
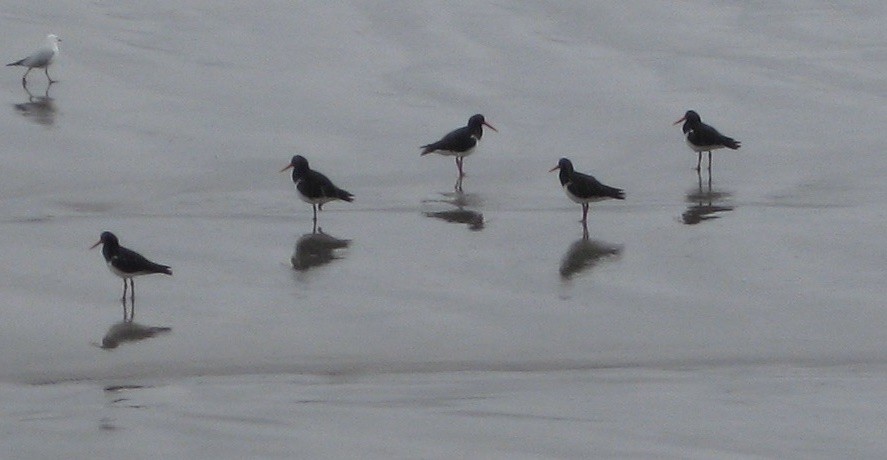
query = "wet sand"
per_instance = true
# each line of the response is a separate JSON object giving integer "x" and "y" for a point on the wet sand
{"x": 731, "y": 313}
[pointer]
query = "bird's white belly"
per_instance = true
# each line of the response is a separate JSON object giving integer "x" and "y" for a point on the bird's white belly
{"x": 579, "y": 200}
{"x": 321, "y": 200}
{"x": 702, "y": 148}
{"x": 452, "y": 153}
{"x": 122, "y": 274}
{"x": 309, "y": 200}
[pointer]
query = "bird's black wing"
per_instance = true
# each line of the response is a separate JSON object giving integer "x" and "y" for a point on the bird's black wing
{"x": 459, "y": 140}
{"x": 586, "y": 186}
{"x": 704, "y": 135}
{"x": 316, "y": 185}
{"x": 129, "y": 261}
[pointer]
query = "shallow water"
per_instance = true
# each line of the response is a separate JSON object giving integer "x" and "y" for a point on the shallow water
{"x": 171, "y": 121}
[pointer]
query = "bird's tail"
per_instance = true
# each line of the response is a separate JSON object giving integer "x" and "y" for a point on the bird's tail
{"x": 165, "y": 269}
{"x": 426, "y": 149}
{"x": 616, "y": 193}
{"x": 344, "y": 195}
{"x": 15, "y": 63}
{"x": 731, "y": 143}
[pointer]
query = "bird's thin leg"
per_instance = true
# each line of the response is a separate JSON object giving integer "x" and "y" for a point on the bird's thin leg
{"x": 46, "y": 71}
{"x": 699, "y": 162}
{"x": 458, "y": 185}
{"x": 459, "y": 166}
{"x": 314, "y": 207}
{"x": 584, "y": 213}
{"x": 584, "y": 230}
{"x": 123, "y": 299}
{"x": 125, "y": 313}
{"x": 132, "y": 290}
{"x": 132, "y": 309}
{"x": 709, "y": 162}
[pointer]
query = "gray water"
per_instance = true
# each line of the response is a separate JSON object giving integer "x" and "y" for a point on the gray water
{"x": 758, "y": 285}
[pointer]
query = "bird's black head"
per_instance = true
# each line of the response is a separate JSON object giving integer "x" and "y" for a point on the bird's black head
{"x": 299, "y": 162}
{"x": 476, "y": 121}
{"x": 566, "y": 170}
{"x": 299, "y": 165}
{"x": 691, "y": 118}
{"x": 564, "y": 165}
{"x": 476, "y": 124}
{"x": 110, "y": 245}
{"x": 108, "y": 239}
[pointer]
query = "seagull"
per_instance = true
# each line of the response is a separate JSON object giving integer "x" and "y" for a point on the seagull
{"x": 40, "y": 59}
{"x": 460, "y": 142}
{"x": 582, "y": 188}
{"x": 127, "y": 263}
{"x": 314, "y": 187}
{"x": 704, "y": 138}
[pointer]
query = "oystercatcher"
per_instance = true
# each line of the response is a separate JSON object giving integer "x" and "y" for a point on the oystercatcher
{"x": 582, "y": 188}
{"x": 314, "y": 187}
{"x": 704, "y": 138}
{"x": 127, "y": 263}
{"x": 40, "y": 59}
{"x": 460, "y": 142}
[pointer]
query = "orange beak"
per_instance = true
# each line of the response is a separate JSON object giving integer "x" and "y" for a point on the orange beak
{"x": 287, "y": 167}
{"x": 490, "y": 126}
{"x": 554, "y": 168}
{"x": 682, "y": 119}
{"x": 96, "y": 244}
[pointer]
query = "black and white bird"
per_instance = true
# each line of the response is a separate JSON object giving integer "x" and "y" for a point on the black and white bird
{"x": 127, "y": 263}
{"x": 460, "y": 142}
{"x": 704, "y": 138}
{"x": 40, "y": 59}
{"x": 314, "y": 187}
{"x": 583, "y": 188}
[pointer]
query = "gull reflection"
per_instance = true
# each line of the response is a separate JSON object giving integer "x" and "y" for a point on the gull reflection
{"x": 39, "y": 109}
{"x": 315, "y": 249}
{"x": 460, "y": 215}
{"x": 585, "y": 253}
{"x": 129, "y": 331}
{"x": 705, "y": 203}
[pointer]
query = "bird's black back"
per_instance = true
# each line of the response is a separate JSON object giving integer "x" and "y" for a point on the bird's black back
{"x": 129, "y": 261}
{"x": 313, "y": 184}
{"x": 699, "y": 133}
{"x": 586, "y": 186}
{"x": 458, "y": 140}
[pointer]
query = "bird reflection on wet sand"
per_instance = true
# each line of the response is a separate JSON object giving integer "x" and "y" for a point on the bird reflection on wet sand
{"x": 585, "y": 253}
{"x": 129, "y": 331}
{"x": 315, "y": 249}
{"x": 39, "y": 109}
{"x": 705, "y": 203}
{"x": 459, "y": 215}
